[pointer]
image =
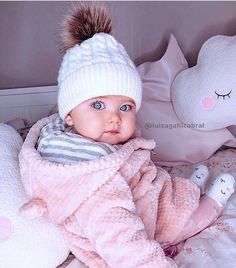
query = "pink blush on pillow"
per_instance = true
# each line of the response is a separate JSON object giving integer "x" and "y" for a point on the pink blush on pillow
{"x": 6, "y": 228}
{"x": 208, "y": 102}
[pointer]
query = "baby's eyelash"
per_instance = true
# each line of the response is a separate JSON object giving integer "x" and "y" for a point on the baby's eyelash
{"x": 223, "y": 95}
{"x": 94, "y": 100}
{"x": 127, "y": 105}
{"x": 97, "y": 100}
{"x": 98, "y": 105}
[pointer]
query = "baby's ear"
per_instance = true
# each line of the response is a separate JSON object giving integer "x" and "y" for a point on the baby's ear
{"x": 69, "y": 120}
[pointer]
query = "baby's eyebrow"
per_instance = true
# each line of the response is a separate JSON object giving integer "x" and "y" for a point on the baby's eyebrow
{"x": 129, "y": 101}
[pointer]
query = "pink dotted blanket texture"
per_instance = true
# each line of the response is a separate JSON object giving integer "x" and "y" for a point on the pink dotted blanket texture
{"x": 216, "y": 245}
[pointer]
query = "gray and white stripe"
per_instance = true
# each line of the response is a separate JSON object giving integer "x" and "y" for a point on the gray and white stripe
{"x": 57, "y": 143}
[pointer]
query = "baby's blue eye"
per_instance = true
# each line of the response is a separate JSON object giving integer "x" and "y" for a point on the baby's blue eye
{"x": 99, "y": 105}
{"x": 125, "y": 107}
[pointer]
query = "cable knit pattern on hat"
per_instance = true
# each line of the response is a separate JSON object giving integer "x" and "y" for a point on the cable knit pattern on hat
{"x": 99, "y": 66}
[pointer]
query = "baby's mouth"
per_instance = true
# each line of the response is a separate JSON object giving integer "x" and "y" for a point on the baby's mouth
{"x": 112, "y": 131}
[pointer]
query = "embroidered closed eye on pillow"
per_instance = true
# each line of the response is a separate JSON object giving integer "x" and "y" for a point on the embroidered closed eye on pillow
{"x": 169, "y": 111}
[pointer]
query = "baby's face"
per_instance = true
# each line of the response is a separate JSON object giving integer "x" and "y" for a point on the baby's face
{"x": 109, "y": 119}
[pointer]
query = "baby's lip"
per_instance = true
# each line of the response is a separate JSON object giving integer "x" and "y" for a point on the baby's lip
{"x": 112, "y": 131}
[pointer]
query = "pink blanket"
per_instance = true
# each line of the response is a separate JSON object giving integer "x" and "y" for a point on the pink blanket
{"x": 112, "y": 210}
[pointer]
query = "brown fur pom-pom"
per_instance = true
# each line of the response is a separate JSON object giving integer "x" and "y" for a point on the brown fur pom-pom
{"x": 84, "y": 20}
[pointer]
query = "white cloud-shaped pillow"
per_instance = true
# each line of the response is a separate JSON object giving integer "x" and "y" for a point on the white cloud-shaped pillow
{"x": 177, "y": 143}
{"x": 206, "y": 93}
{"x": 23, "y": 243}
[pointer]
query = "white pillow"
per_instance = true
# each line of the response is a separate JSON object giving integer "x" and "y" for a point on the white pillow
{"x": 207, "y": 92}
{"x": 176, "y": 143}
{"x": 23, "y": 243}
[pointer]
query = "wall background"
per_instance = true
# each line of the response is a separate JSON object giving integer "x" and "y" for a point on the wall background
{"x": 29, "y": 53}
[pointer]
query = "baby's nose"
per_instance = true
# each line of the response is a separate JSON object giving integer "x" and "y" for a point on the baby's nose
{"x": 114, "y": 118}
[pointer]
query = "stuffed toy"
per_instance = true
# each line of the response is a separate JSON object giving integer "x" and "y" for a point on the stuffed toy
{"x": 207, "y": 92}
{"x": 23, "y": 243}
{"x": 187, "y": 110}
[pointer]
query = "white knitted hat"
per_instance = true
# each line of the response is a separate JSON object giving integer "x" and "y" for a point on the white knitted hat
{"x": 99, "y": 66}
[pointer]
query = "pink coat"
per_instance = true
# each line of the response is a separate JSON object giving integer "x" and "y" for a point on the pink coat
{"x": 114, "y": 211}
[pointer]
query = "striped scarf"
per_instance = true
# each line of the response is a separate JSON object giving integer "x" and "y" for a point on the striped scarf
{"x": 58, "y": 143}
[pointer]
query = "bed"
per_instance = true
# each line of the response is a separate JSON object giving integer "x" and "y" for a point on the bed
{"x": 213, "y": 247}
{"x": 29, "y": 103}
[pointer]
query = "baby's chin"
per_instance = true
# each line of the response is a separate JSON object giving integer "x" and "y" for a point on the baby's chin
{"x": 112, "y": 140}
{"x": 115, "y": 139}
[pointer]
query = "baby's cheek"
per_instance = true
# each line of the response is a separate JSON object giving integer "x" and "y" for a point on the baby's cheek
{"x": 207, "y": 103}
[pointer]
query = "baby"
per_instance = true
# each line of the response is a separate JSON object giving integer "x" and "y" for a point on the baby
{"x": 95, "y": 179}
{"x": 92, "y": 129}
